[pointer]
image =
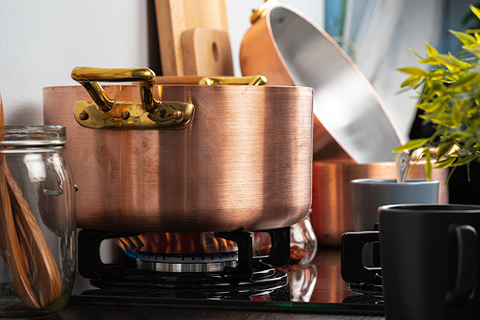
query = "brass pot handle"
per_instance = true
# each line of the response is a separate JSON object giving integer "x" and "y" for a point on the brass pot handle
{"x": 249, "y": 80}
{"x": 103, "y": 112}
{"x": 260, "y": 12}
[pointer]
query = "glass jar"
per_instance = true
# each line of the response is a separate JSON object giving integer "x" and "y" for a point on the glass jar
{"x": 302, "y": 280}
{"x": 37, "y": 222}
{"x": 303, "y": 242}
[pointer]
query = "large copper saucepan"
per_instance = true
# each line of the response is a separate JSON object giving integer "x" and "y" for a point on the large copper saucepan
{"x": 243, "y": 162}
{"x": 289, "y": 49}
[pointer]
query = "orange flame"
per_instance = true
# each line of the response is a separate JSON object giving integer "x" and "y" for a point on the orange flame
{"x": 178, "y": 243}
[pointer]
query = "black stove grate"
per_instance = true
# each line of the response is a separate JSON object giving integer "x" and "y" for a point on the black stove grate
{"x": 248, "y": 269}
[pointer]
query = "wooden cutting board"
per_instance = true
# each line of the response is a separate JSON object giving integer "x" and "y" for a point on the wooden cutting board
{"x": 177, "y": 19}
{"x": 206, "y": 52}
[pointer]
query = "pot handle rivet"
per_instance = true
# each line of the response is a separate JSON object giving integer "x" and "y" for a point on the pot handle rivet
{"x": 125, "y": 115}
{"x": 83, "y": 116}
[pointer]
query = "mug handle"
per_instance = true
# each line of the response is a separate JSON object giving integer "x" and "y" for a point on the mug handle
{"x": 352, "y": 268}
{"x": 467, "y": 265}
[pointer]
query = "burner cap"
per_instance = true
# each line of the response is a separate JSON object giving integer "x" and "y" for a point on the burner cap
{"x": 194, "y": 262}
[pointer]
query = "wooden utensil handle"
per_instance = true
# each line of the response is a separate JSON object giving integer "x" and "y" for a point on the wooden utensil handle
{"x": 23, "y": 246}
{"x": 14, "y": 255}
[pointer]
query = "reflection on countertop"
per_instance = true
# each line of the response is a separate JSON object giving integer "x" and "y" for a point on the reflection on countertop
{"x": 316, "y": 291}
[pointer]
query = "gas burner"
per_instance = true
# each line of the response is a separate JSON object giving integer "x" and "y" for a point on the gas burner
{"x": 193, "y": 262}
{"x": 231, "y": 272}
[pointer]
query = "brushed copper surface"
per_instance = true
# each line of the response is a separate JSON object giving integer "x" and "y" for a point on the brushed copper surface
{"x": 259, "y": 52}
{"x": 331, "y": 193}
{"x": 245, "y": 162}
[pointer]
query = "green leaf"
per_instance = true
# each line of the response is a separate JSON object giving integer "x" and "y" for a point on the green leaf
{"x": 411, "y": 81}
{"x": 438, "y": 116}
{"x": 443, "y": 149}
{"x": 445, "y": 163}
{"x": 468, "y": 79}
{"x": 473, "y": 49}
{"x": 412, "y": 169}
{"x": 465, "y": 38}
{"x": 464, "y": 160}
{"x": 419, "y": 56}
{"x": 449, "y": 176}
{"x": 428, "y": 164}
{"x": 431, "y": 60}
{"x": 431, "y": 106}
{"x": 450, "y": 61}
{"x": 475, "y": 11}
{"x": 456, "y": 115}
{"x": 413, "y": 71}
{"x": 443, "y": 119}
{"x": 431, "y": 50}
{"x": 468, "y": 171}
{"x": 421, "y": 83}
{"x": 462, "y": 64}
{"x": 438, "y": 74}
{"x": 472, "y": 31}
{"x": 411, "y": 145}
{"x": 456, "y": 135}
{"x": 404, "y": 90}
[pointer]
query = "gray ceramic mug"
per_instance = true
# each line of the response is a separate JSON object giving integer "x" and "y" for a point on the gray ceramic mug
{"x": 369, "y": 194}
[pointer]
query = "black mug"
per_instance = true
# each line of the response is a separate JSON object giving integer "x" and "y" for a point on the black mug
{"x": 429, "y": 260}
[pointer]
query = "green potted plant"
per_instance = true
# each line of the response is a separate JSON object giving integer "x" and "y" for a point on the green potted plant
{"x": 450, "y": 100}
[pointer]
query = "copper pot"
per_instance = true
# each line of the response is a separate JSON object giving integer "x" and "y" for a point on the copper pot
{"x": 243, "y": 162}
{"x": 332, "y": 200}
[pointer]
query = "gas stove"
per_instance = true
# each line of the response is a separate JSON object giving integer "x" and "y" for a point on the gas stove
{"x": 221, "y": 272}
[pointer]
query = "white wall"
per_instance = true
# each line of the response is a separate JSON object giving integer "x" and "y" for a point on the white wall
{"x": 42, "y": 41}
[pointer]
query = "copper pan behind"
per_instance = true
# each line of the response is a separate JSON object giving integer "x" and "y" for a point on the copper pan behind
{"x": 331, "y": 194}
{"x": 351, "y": 120}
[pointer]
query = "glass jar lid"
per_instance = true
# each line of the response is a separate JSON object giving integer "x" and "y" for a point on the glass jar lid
{"x": 32, "y": 136}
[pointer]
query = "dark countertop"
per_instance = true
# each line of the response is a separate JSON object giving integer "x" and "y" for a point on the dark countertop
{"x": 73, "y": 312}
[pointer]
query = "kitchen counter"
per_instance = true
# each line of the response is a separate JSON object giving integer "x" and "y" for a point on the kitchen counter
{"x": 73, "y": 312}
{"x": 81, "y": 307}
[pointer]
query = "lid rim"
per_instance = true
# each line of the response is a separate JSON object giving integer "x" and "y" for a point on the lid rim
{"x": 32, "y": 136}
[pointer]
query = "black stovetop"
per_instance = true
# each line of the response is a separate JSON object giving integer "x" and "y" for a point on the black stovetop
{"x": 316, "y": 288}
